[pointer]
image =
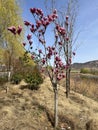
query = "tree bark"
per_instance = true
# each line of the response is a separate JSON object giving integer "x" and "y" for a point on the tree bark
{"x": 55, "y": 107}
{"x": 67, "y": 83}
{"x": 69, "y": 77}
{"x": 9, "y": 76}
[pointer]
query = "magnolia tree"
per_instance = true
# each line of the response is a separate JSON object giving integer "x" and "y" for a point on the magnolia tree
{"x": 47, "y": 54}
{"x": 69, "y": 45}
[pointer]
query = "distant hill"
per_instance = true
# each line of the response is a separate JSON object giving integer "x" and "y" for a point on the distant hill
{"x": 89, "y": 64}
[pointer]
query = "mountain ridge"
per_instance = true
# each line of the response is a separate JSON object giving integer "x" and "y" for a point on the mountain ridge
{"x": 89, "y": 64}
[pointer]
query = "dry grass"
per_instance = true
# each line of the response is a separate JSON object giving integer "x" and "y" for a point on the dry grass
{"x": 85, "y": 85}
{"x": 33, "y": 110}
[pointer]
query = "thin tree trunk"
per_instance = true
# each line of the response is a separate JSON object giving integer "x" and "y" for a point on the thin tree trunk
{"x": 9, "y": 76}
{"x": 9, "y": 66}
{"x": 67, "y": 84}
{"x": 55, "y": 107}
{"x": 9, "y": 70}
{"x": 69, "y": 77}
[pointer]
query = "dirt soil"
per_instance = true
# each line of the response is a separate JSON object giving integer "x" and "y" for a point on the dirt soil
{"x": 23, "y": 109}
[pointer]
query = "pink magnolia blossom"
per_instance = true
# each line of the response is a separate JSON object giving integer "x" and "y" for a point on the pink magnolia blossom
{"x": 12, "y": 29}
{"x": 59, "y": 77}
{"x": 50, "y": 18}
{"x": 67, "y": 38}
{"x": 49, "y": 56}
{"x": 53, "y": 48}
{"x": 40, "y": 12}
{"x": 43, "y": 60}
{"x": 29, "y": 36}
{"x": 47, "y": 23}
{"x": 44, "y": 23}
{"x": 32, "y": 30}
{"x": 19, "y": 30}
{"x": 67, "y": 17}
{"x": 32, "y": 56}
{"x": 36, "y": 11}
{"x": 74, "y": 53}
{"x": 55, "y": 11}
{"x": 60, "y": 29}
{"x": 33, "y": 10}
{"x": 45, "y": 18}
{"x": 57, "y": 58}
{"x": 27, "y": 23}
{"x": 38, "y": 23}
{"x": 55, "y": 53}
{"x": 60, "y": 64}
{"x": 30, "y": 42}
{"x": 63, "y": 75}
{"x": 40, "y": 51}
{"x": 32, "y": 25}
{"x": 24, "y": 43}
{"x": 55, "y": 70}
{"x": 54, "y": 16}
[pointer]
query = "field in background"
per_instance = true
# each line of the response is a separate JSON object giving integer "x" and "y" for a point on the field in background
{"x": 85, "y": 84}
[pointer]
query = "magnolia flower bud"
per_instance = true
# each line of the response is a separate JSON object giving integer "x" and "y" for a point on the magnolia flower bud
{"x": 24, "y": 43}
{"x": 30, "y": 42}
{"x": 27, "y": 23}
{"x": 32, "y": 56}
{"x": 67, "y": 38}
{"x": 19, "y": 30}
{"x": 67, "y": 17}
{"x": 74, "y": 53}
{"x": 12, "y": 29}
{"x": 40, "y": 51}
{"x": 33, "y": 10}
{"x": 55, "y": 11}
{"x": 29, "y": 36}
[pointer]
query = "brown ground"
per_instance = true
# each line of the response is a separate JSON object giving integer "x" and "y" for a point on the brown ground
{"x": 23, "y": 109}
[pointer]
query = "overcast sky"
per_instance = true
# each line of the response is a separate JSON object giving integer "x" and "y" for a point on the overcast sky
{"x": 86, "y": 24}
